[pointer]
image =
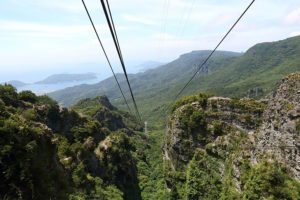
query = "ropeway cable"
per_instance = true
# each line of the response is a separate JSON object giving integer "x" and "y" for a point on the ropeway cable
{"x": 105, "y": 55}
{"x": 209, "y": 56}
{"x": 116, "y": 42}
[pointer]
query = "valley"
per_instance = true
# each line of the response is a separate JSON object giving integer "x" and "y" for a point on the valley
{"x": 233, "y": 134}
{"x": 227, "y": 74}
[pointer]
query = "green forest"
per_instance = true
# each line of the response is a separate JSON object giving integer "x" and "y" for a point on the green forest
{"x": 50, "y": 152}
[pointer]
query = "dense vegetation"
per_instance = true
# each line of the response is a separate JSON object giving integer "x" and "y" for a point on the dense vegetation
{"x": 152, "y": 81}
{"x": 208, "y": 154}
{"x": 49, "y": 152}
{"x": 259, "y": 68}
{"x": 267, "y": 180}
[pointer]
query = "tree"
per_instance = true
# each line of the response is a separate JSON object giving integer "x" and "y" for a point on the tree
{"x": 28, "y": 96}
{"x": 8, "y": 94}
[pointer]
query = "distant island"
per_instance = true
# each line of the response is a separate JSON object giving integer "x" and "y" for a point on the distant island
{"x": 63, "y": 78}
{"x": 16, "y": 83}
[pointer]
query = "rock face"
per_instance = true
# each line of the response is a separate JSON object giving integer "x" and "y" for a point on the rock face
{"x": 112, "y": 119}
{"x": 218, "y": 117}
{"x": 99, "y": 100}
{"x": 231, "y": 138}
{"x": 255, "y": 92}
{"x": 100, "y": 109}
{"x": 50, "y": 152}
{"x": 280, "y": 134}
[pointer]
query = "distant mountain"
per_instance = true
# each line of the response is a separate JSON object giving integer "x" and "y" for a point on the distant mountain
{"x": 229, "y": 74}
{"x": 63, "y": 78}
{"x": 16, "y": 83}
{"x": 147, "y": 65}
{"x": 256, "y": 72}
{"x": 168, "y": 75}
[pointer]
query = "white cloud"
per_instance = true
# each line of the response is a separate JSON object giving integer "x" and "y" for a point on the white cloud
{"x": 223, "y": 19}
{"x": 30, "y": 29}
{"x": 164, "y": 36}
{"x": 295, "y": 33}
{"x": 140, "y": 20}
{"x": 293, "y": 18}
{"x": 40, "y": 35}
{"x": 29, "y": 26}
{"x": 67, "y": 5}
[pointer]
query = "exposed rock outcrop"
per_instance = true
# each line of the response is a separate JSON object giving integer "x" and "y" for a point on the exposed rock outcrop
{"x": 236, "y": 135}
{"x": 279, "y": 134}
{"x": 110, "y": 118}
{"x": 219, "y": 117}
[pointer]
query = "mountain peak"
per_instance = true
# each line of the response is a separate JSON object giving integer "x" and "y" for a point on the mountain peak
{"x": 100, "y": 100}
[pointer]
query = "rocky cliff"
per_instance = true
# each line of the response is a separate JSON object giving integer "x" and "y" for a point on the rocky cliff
{"x": 280, "y": 131}
{"x": 222, "y": 148}
{"x": 50, "y": 152}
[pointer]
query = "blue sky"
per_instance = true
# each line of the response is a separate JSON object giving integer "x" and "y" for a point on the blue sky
{"x": 41, "y": 37}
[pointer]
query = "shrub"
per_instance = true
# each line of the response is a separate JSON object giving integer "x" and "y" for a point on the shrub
{"x": 298, "y": 126}
{"x": 2, "y": 106}
{"x": 28, "y": 96}
{"x": 269, "y": 180}
{"x": 192, "y": 119}
{"x": 203, "y": 180}
{"x": 218, "y": 128}
{"x": 30, "y": 114}
{"x": 8, "y": 95}
{"x": 201, "y": 98}
{"x": 51, "y": 110}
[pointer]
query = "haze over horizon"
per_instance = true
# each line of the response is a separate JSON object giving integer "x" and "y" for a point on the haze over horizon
{"x": 35, "y": 43}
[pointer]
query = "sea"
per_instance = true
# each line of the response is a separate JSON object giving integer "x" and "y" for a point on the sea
{"x": 41, "y": 89}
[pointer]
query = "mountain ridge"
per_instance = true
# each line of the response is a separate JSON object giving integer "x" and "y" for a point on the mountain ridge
{"x": 227, "y": 74}
{"x": 61, "y": 78}
{"x": 140, "y": 82}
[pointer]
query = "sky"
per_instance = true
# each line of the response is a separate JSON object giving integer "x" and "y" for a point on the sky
{"x": 42, "y": 37}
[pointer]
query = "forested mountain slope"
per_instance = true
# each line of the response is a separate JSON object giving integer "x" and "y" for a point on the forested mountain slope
{"x": 50, "y": 152}
{"x": 253, "y": 74}
{"x": 222, "y": 148}
{"x": 258, "y": 70}
{"x": 168, "y": 75}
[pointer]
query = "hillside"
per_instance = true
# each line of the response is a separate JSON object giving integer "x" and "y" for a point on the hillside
{"x": 254, "y": 74}
{"x": 171, "y": 74}
{"x": 222, "y": 148}
{"x": 257, "y": 70}
{"x": 229, "y": 74}
{"x": 50, "y": 152}
{"x": 63, "y": 78}
{"x": 16, "y": 83}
